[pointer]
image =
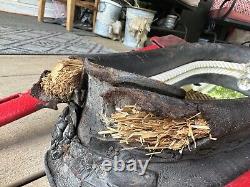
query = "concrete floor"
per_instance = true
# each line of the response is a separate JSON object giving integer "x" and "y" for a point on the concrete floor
{"x": 24, "y": 142}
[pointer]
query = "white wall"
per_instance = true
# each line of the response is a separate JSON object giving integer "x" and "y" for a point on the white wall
{"x": 26, "y": 7}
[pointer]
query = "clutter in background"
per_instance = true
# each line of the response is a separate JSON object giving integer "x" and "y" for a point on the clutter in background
{"x": 170, "y": 21}
{"x": 60, "y": 9}
{"x": 192, "y": 20}
{"x": 138, "y": 22}
{"x": 134, "y": 21}
{"x": 239, "y": 36}
{"x": 107, "y": 19}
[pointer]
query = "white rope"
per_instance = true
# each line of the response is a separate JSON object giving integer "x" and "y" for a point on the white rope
{"x": 235, "y": 74}
{"x": 202, "y": 67}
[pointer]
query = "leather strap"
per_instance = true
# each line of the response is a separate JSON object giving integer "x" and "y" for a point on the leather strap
{"x": 230, "y": 9}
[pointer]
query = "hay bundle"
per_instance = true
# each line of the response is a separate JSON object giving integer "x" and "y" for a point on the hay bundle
{"x": 63, "y": 79}
{"x": 130, "y": 125}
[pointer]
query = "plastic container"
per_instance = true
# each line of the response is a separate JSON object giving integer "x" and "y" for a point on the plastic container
{"x": 108, "y": 13}
{"x": 133, "y": 14}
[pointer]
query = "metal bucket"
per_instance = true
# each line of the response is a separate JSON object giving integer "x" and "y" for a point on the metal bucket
{"x": 132, "y": 15}
{"x": 171, "y": 21}
{"x": 108, "y": 12}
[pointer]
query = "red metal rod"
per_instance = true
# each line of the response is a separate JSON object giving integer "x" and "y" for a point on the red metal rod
{"x": 241, "y": 181}
{"x": 17, "y": 106}
{"x": 9, "y": 98}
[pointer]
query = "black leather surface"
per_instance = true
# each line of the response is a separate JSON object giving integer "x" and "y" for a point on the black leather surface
{"x": 77, "y": 150}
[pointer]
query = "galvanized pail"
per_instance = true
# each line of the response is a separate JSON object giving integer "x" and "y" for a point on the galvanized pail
{"x": 108, "y": 12}
{"x": 136, "y": 19}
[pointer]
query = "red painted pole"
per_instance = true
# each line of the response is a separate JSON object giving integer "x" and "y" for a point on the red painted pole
{"x": 241, "y": 181}
{"x": 17, "y": 106}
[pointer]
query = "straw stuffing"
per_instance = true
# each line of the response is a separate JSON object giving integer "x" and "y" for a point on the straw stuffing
{"x": 129, "y": 125}
{"x": 63, "y": 79}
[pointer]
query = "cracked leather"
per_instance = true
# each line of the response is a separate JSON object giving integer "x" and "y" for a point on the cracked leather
{"x": 77, "y": 150}
{"x": 150, "y": 63}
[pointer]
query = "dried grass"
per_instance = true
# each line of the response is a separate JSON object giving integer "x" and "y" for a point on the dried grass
{"x": 63, "y": 79}
{"x": 130, "y": 125}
